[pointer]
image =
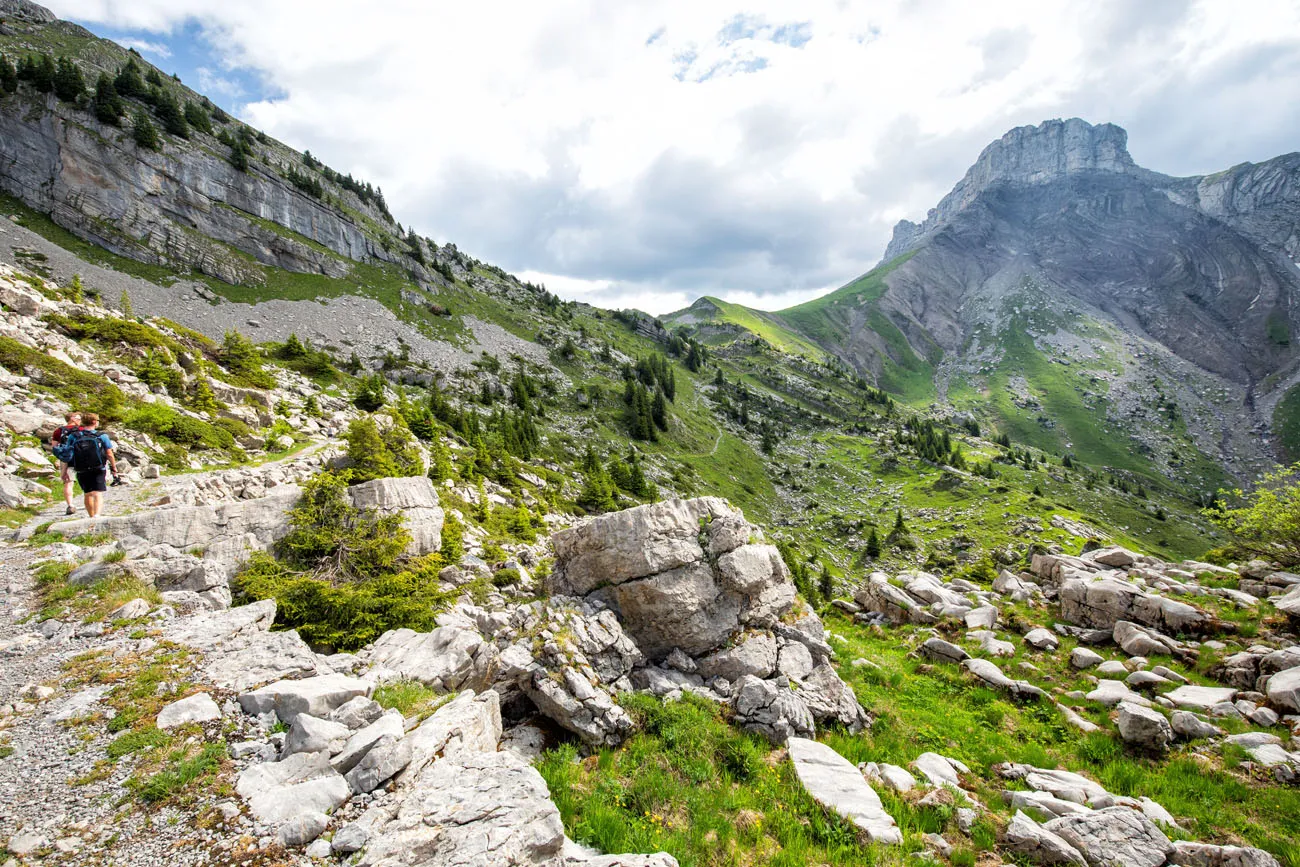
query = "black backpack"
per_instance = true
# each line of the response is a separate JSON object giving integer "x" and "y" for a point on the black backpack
{"x": 87, "y": 451}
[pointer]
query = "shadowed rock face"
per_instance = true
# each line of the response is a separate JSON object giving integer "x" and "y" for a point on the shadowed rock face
{"x": 1057, "y": 226}
{"x": 1121, "y": 245}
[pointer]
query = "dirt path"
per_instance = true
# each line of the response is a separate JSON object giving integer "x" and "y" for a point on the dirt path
{"x": 62, "y": 799}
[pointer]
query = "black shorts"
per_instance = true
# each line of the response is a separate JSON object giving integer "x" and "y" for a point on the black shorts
{"x": 93, "y": 480}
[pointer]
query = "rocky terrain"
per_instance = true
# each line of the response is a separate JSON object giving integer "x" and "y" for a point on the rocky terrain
{"x": 417, "y": 564}
{"x": 139, "y": 691}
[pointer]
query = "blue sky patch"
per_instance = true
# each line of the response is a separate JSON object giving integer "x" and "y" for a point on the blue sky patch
{"x": 189, "y": 53}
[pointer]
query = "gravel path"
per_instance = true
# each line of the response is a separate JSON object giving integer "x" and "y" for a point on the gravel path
{"x": 61, "y": 800}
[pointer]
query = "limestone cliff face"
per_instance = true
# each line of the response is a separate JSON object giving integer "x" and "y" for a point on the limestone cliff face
{"x": 184, "y": 206}
{"x": 1026, "y": 155}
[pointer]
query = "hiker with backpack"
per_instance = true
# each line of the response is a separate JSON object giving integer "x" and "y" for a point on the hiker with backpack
{"x": 90, "y": 455}
{"x": 72, "y": 423}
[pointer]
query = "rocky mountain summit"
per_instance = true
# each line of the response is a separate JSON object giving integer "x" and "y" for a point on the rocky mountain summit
{"x": 1062, "y": 290}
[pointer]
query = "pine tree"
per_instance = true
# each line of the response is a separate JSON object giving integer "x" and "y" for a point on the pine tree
{"x": 597, "y": 494}
{"x": 899, "y": 526}
{"x": 129, "y": 83}
{"x": 8, "y": 75}
{"x": 202, "y": 398}
{"x": 107, "y": 104}
{"x": 370, "y": 394}
{"x": 124, "y": 304}
{"x": 142, "y": 130}
{"x": 239, "y": 153}
{"x": 40, "y": 71}
{"x": 826, "y": 584}
{"x": 169, "y": 112}
{"x": 440, "y": 468}
{"x": 453, "y": 540}
{"x": 197, "y": 117}
{"x": 69, "y": 84}
{"x": 659, "y": 410}
{"x": 873, "y": 545}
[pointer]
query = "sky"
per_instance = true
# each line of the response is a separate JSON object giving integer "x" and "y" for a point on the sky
{"x": 644, "y": 154}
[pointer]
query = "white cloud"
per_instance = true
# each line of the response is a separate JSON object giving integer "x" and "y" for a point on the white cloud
{"x": 658, "y": 151}
{"x": 145, "y": 46}
{"x": 215, "y": 85}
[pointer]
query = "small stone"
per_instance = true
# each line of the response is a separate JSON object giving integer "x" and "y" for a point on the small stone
{"x": 197, "y": 708}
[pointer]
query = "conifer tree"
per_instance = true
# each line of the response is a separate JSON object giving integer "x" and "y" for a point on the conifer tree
{"x": 107, "y": 104}
{"x": 202, "y": 398}
{"x": 142, "y": 130}
{"x": 826, "y": 584}
{"x": 68, "y": 82}
{"x": 169, "y": 112}
{"x": 440, "y": 468}
{"x": 8, "y": 75}
{"x": 124, "y": 304}
{"x": 453, "y": 536}
{"x": 659, "y": 410}
{"x": 873, "y": 544}
{"x": 129, "y": 83}
{"x": 197, "y": 117}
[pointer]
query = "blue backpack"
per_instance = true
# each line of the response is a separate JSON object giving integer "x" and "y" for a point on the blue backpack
{"x": 82, "y": 450}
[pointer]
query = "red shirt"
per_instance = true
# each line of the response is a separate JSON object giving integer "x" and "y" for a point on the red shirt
{"x": 61, "y": 432}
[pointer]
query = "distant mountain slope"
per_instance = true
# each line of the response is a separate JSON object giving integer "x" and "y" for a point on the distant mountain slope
{"x": 1089, "y": 305}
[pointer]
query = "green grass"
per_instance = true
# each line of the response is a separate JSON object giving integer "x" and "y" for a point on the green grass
{"x": 693, "y": 786}
{"x": 410, "y": 697}
{"x": 137, "y": 741}
{"x": 184, "y": 769}
{"x": 823, "y": 319}
{"x": 1286, "y": 423}
{"x": 937, "y": 707}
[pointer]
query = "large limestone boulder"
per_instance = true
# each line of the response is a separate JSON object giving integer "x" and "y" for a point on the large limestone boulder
{"x": 1114, "y": 835}
{"x": 898, "y": 606}
{"x": 304, "y": 783}
{"x": 1189, "y": 854}
{"x": 1038, "y": 844}
{"x": 1289, "y": 603}
{"x": 226, "y": 532}
{"x": 313, "y": 695}
{"x": 776, "y": 713}
{"x": 448, "y": 659}
{"x": 649, "y": 565}
{"x": 412, "y": 497}
{"x": 634, "y": 543}
{"x": 835, "y": 783}
{"x": 1103, "y": 601}
{"x": 240, "y": 652}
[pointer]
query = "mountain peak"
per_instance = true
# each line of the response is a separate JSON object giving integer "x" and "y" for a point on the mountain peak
{"x": 1027, "y": 155}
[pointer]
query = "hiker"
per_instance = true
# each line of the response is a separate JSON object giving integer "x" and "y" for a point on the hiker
{"x": 72, "y": 423}
{"x": 90, "y": 453}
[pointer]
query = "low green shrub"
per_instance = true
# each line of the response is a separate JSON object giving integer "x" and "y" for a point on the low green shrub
{"x": 338, "y": 579}
{"x": 108, "y": 331}
{"x": 345, "y": 616}
{"x": 76, "y": 388}
{"x": 166, "y": 423}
